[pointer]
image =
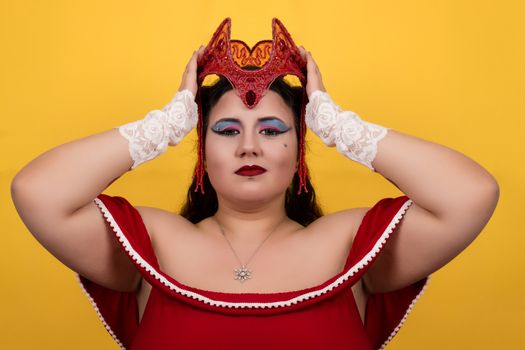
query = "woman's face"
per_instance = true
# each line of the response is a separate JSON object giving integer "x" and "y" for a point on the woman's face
{"x": 237, "y": 136}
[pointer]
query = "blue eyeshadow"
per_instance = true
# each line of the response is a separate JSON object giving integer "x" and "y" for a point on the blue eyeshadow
{"x": 223, "y": 124}
{"x": 277, "y": 123}
{"x": 268, "y": 121}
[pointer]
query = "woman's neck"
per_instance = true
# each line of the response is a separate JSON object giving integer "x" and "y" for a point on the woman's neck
{"x": 254, "y": 220}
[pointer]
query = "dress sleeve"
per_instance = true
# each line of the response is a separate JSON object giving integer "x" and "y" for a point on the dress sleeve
{"x": 118, "y": 311}
{"x": 385, "y": 312}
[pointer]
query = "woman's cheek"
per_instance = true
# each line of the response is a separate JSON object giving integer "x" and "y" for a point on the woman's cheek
{"x": 216, "y": 160}
{"x": 285, "y": 158}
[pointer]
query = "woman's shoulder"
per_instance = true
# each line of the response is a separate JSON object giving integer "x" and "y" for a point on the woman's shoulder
{"x": 159, "y": 221}
{"x": 342, "y": 223}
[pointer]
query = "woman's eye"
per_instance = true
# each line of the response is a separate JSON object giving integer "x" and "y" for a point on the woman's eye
{"x": 271, "y": 132}
{"x": 228, "y": 132}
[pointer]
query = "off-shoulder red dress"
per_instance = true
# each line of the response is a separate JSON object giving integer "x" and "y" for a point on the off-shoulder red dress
{"x": 325, "y": 316}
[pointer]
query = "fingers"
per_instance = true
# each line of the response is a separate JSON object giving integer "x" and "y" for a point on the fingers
{"x": 302, "y": 50}
{"x": 191, "y": 67}
{"x": 200, "y": 51}
{"x": 193, "y": 59}
{"x": 189, "y": 78}
{"x": 314, "y": 79}
{"x": 311, "y": 66}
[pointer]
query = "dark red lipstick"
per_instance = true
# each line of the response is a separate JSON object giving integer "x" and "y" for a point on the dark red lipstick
{"x": 250, "y": 170}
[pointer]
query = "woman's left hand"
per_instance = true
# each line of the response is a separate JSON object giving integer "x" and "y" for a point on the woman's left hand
{"x": 314, "y": 81}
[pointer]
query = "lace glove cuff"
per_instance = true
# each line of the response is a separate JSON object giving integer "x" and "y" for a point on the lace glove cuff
{"x": 353, "y": 137}
{"x": 150, "y": 137}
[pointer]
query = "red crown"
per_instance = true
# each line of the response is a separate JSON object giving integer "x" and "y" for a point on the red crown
{"x": 273, "y": 59}
{"x": 277, "y": 57}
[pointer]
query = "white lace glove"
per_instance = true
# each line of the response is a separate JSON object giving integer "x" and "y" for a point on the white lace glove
{"x": 150, "y": 137}
{"x": 353, "y": 137}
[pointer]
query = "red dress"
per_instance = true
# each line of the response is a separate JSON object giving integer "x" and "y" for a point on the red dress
{"x": 325, "y": 316}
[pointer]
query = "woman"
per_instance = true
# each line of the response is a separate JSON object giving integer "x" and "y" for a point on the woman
{"x": 340, "y": 280}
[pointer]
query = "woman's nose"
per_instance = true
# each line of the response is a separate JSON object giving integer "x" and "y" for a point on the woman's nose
{"x": 248, "y": 145}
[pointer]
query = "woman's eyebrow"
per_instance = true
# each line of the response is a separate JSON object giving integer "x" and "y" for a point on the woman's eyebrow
{"x": 235, "y": 120}
{"x": 271, "y": 118}
{"x": 260, "y": 120}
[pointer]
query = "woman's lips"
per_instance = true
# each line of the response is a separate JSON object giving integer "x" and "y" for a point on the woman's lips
{"x": 250, "y": 170}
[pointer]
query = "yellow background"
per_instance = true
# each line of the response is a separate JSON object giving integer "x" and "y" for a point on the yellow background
{"x": 447, "y": 71}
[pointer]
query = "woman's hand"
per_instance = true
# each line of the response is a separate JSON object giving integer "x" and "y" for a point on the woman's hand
{"x": 189, "y": 79}
{"x": 314, "y": 81}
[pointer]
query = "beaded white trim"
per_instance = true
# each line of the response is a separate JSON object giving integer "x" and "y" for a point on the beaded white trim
{"x": 398, "y": 327}
{"x": 95, "y": 306}
{"x": 359, "y": 265}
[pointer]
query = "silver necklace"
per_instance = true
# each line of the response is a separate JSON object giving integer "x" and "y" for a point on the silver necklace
{"x": 242, "y": 274}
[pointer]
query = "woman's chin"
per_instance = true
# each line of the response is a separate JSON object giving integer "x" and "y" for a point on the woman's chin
{"x": 253, "y": 193}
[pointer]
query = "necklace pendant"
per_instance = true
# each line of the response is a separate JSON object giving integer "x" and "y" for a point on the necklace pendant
{"x": 243, "y": 274}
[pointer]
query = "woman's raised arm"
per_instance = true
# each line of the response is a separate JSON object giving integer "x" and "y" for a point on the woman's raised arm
{"x": 453, "y": 196}
{"x": 54, "y": 193}
{"x": 453, "y": 199}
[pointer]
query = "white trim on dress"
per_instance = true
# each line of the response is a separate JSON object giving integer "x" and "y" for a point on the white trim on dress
{"x": 398, "y": 327}
{"x": 99, "y": 314}
{"x": 359, "y": 265}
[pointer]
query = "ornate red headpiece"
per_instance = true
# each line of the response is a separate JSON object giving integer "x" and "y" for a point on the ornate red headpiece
{"x": 274, "y": 58}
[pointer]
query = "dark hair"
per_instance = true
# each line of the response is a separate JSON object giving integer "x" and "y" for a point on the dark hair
{"x": 302, "y": 208}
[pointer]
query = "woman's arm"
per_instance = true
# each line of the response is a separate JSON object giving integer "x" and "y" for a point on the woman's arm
{"x": 453, "y": 199}
{"x": 453, "y": 196}
{"x": 54, "y": 193}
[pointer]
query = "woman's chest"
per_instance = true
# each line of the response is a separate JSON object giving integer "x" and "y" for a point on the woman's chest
{"x": 289, "y": 262}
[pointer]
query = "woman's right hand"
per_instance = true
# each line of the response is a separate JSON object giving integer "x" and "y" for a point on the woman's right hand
{"x": 189, "y": 79}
